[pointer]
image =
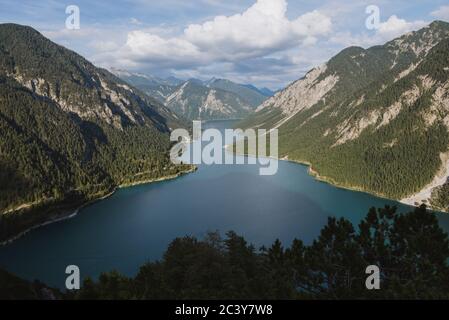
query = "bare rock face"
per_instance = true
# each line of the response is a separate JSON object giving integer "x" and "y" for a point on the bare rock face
{"x": 301, "y": 95}
{"x": 196, "y": 101}
{"x": 112, "y": 102}
{"x": 76, "y": 85}
{"x": 73, "y": 104}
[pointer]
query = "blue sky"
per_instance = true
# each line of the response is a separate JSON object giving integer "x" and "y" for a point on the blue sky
{"x": 264, "y": 42}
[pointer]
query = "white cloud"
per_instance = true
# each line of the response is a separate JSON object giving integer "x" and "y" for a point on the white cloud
{"x": 143, "y": 46}
{"x": 264, "y": 26}
{"x": 441, "y": 13}
{"x": 260, "y": 30}
{"x": 393, "y": 27}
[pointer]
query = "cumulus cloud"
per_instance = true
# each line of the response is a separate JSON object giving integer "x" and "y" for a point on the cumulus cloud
{"x": 142, "y": 46}
{"x": 393, "y": 27}
{"x": 262, "y": 29}
{"x": 264, "y": 26}
{"x": 441, "y": 13}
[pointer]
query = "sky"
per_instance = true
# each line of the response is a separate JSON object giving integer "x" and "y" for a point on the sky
{"x": 267, "y": 43}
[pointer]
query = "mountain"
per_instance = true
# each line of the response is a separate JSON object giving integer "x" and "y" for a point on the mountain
{"x": 263, "y": 91}
{"x": 155, "y": 87}
{"x": 375, "y": 120}
{"x": 252, "y": 97}
{"x": 197, "y": 99}
{"x": 173, "y": 81}
{"x": 213, "y": 99}
{"x": 70, "y": 132}
{"x": 267, "y": 92}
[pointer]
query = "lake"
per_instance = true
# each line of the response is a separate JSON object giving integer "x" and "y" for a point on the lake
{"x": 136, "y": 224}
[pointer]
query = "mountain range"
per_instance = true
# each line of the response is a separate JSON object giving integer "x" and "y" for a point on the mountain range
{"x": 196, "y": 99}
{"x": 372, "y": 119}
{"x": 155, "y": 87}
{"x": 71, "y": 132}
{"x": 263, "y": 91}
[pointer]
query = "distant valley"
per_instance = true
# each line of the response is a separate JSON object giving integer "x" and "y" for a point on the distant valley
{"x": 372, "y": 119}
{"x": 200, "y": 100}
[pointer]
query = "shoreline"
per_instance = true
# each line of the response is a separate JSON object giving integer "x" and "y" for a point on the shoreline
{"x": 59, "y": 217}
{"x": 310, "y": 170}
{"x": 164, "y": 178}
{"x": 73, "y": 213}
{"x": 315, "y": 174}
{"x": 43, "y": 224}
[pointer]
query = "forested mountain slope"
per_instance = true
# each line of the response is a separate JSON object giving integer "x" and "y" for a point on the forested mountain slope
{"x": 374, "y": 119}
{"x": 69, "y": 132}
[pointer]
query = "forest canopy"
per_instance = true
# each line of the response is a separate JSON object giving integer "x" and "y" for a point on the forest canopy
{"x": 411, "y": 251}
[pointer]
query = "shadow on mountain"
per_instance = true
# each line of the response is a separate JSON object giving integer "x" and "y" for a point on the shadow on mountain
{"x": 11, "y": 184}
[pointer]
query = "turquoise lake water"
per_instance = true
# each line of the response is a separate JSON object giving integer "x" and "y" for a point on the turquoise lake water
{"x": 136, "y": 224}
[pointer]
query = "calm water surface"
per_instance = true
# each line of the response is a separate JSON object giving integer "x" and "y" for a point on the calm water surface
{"x": 136, "y": 224}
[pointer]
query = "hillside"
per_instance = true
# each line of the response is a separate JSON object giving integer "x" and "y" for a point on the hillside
{"x": 251, "y": 95}
{"x": 374, "y": 120}
{"x": 70, "y": 132}
{"x": 15, "y": 288}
